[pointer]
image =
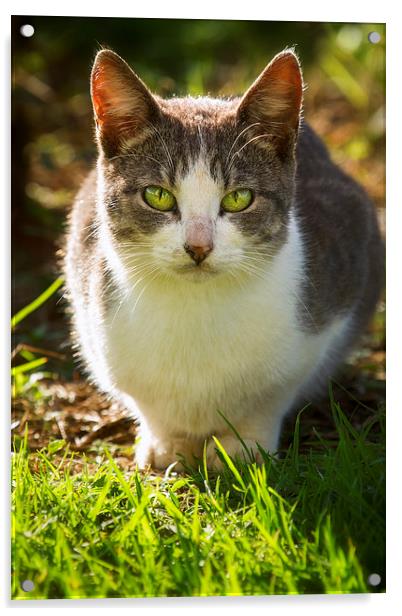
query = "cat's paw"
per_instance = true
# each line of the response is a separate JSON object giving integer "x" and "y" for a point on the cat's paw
{"x": 234, "y": 449}
{"x": 160, "y": 454}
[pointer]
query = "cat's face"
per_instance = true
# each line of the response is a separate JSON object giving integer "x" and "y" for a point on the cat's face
{"x": 195, "y": 188}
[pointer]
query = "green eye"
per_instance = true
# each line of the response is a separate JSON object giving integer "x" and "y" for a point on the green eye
{"x": 159, "y": 198}
{"x": 237, "y": 200}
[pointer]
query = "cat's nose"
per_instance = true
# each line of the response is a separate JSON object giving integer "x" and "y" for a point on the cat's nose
{"x": 198, "y": 237}
{"x": 198, "y": 253}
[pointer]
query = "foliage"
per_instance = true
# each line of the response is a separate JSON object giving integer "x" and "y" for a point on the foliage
{"x": 22, "y": 379}
{"x": 308, "y": 523}
{"x": 36, "y": 303}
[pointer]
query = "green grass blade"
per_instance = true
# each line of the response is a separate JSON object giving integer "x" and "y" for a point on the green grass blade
{"x": 30, "y": 365}
{"x": 229, "y": 462}
{"x": 41, "y": 299}
{"x": 236, "y": 433}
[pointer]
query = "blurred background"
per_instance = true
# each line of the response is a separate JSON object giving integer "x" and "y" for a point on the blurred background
{"x": 52, "y": 126}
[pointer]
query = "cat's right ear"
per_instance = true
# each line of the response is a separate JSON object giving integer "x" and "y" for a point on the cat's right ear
{"x": 123, "y": 105}
{"x": 274, "y": 100}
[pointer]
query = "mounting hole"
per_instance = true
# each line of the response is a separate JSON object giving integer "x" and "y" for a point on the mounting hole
{"x": 27, "y": 585}
{"x": 374, "y": 579}
{"x": 374, "y": 37}
{"x": 27, "y": 30}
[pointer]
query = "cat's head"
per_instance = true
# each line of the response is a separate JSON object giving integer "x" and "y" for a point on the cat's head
{"x": 195, "y": 187}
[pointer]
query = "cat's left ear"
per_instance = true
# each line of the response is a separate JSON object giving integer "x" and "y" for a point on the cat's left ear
{"x": 274, "y": 100}
{"x": 123, "y": 106}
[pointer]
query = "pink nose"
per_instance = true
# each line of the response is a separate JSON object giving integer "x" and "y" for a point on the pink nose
{"x": 198, "y": 253}
{"x": 198, "y": 241}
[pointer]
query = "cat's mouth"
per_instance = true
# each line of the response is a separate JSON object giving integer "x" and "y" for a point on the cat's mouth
{"x": 197, "y": 272}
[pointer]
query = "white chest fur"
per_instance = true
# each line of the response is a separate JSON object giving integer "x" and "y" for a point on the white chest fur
{"x": 183, "y": 353}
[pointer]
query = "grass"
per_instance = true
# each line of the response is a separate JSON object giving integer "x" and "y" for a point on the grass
{"x": 307, "y": 523}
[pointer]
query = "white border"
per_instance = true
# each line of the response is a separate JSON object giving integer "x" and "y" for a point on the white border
{"x": 308, "y": 10}
{"x": 292, "y": 10}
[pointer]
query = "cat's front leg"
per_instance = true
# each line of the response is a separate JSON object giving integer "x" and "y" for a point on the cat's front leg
{"x": 245, "y": 451}
{"x": 160, "y": 451}
{"x": 258, "y": 429}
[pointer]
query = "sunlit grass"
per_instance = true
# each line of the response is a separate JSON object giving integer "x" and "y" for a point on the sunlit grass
{"x": 25, "y": 376}
{"x": 307, "y": 523}
{"x": 37, "y": 302}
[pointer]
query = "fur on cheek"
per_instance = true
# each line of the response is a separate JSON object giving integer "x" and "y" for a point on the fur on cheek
{"x": 168, "y": 245}
{"x": 230, "y": 242}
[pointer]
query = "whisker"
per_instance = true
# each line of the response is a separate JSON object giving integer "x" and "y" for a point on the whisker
{"x": 249, "y": 269}
{"x": 238, "y": 137}
{"x": 246, "y": 144}
{"x": 164, "y": 145}
{"x": 145, "y": 272}
{"x": 252, "y": 269}
{"x": 142, "y": 292}
{"x": 299, "y": 299}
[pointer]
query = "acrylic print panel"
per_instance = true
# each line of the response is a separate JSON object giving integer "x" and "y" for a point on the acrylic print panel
{"x": 198, "y": 337}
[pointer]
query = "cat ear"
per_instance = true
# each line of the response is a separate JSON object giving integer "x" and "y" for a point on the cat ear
{"x": 122, "y": 103}
{"x": 274, "y": 100}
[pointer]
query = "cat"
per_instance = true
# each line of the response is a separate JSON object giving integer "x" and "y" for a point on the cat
{"x": 218, "y": 263}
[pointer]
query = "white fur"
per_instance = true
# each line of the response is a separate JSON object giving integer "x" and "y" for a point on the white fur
{"x": 179, "y": 345}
